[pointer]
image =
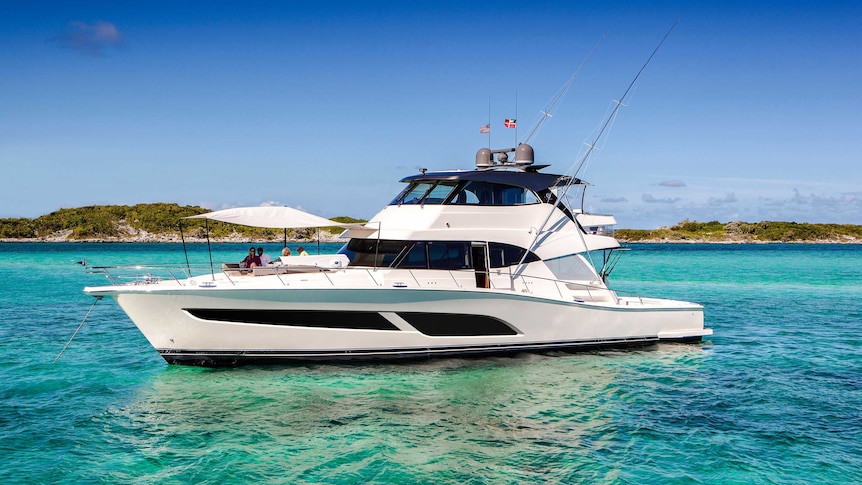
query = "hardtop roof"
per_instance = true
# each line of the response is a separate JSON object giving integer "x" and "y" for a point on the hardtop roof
{"x": 528, "y": 179}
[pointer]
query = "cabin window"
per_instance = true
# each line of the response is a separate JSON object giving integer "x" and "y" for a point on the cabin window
{"x": 572, "y": 267}
{"x": 504, "y": 255}
{"x": 449, "y": 255}
{"x": 367, "y": 252}
{"x": 486, "y": 193}
{"x": 416, "y": 258}
{"x": 408, "y": 254}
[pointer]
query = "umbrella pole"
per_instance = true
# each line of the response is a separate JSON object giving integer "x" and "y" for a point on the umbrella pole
{"x": 185, "y": 251}
{"x": 209, "y": 248}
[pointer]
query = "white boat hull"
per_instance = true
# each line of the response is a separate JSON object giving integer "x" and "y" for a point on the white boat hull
{"x": 481, "y": 261}
{"x": 230, "y": 326}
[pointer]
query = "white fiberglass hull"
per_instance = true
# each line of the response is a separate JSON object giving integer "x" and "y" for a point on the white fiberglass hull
{"x": 229, "y": 326}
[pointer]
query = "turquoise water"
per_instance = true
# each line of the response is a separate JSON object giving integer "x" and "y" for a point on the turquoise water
{"x": 775, "y": 396}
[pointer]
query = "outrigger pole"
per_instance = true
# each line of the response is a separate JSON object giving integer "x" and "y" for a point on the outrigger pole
{"x": 589, "y": 152}
{"x": 619, "y": 103}
{"x": 547, "y": 112}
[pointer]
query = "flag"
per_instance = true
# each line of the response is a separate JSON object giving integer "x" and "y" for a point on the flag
{"x": 485, "y": 129}
{"x": 511, "y": 123}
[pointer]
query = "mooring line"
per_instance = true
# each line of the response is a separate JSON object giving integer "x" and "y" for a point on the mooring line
{"x": 98, "y": 298}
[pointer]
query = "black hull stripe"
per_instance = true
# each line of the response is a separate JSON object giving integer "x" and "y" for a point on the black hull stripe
{"x": 456, "y": 324}
{"x": 230, "y": 358}
{"x": 352, "y": 320}
{"x": 432, "y": 324}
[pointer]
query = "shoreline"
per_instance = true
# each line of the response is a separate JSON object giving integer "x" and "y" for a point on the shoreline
{"x": 175, "y": 239}
{"x": 739, "y": 241}
{"x": 170, "y": 240}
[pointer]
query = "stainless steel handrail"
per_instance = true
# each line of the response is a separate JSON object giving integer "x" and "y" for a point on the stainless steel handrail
{"x": 181, "y": 273}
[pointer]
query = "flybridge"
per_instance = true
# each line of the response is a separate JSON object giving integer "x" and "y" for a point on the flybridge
{"x": 497, "y": 181}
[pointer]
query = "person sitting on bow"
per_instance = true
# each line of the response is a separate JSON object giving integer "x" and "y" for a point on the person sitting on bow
{"x": 250, "y": 261}
{"x": 264, "y": 258}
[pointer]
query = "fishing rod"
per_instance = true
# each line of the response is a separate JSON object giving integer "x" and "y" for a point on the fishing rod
{"x": 590, "y": 148}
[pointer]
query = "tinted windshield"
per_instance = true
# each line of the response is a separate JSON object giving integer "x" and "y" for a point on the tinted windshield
{"x": 430, "y": 192}
{"x": 486, "y": 193}
{"x": 464, "y": 193}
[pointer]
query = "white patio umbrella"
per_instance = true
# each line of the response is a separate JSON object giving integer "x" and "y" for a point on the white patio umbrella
{"x": 269, "y": 217}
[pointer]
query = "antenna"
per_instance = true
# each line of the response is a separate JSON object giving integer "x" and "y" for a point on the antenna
{"x": 488, "y": 126}
{"x": 516, "y": 117}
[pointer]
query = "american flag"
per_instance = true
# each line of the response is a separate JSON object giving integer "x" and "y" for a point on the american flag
{"x": 511, "y": 123}
{"x": 485, "y": 129}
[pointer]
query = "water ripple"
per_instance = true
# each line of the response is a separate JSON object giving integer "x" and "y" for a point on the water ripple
{"x": 773, "y": 397}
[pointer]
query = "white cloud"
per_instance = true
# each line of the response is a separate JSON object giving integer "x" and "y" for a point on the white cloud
{"x": 649, "y": 199}
{"x": 90, "y": 39}
{"x": 671, "y": 183}
{"x": 727, "y": 199}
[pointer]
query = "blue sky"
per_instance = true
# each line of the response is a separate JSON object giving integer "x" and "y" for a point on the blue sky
{"x": 750, "y": 111}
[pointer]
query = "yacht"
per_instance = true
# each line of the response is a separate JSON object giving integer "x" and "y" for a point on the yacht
{"x": 466, "y": 262}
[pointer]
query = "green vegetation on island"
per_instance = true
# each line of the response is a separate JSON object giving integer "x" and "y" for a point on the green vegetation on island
{"x": 736, "y": 231}
{"x": 158, "y": 221}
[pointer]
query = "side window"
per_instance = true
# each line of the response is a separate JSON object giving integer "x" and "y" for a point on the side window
{"x": 485, "y": 193}
{"x": 519, "y": 196}
{"x": 512, "y": 195}
{"x": 367, "y": 252}
{"x": 503, "y": 255}
{"x": 571, "y": 267}
{"x": 449, "y": 255}
{"x": 466, "y": 196}
{"x": 474, "y": 193}
{"x": 470, "y": 198}
{"x": 416, "y": 258}
{"x": 408, "y": 254}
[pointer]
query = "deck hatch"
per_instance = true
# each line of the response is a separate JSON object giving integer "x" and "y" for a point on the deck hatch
{"x": 297, "y": 318}
{"x": 456, "y": 324}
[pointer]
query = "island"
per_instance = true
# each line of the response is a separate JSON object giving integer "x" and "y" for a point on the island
{"x": 159, "y": 222}
{"x": 156, "y": 222}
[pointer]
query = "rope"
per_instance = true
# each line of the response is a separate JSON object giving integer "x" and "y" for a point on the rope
{"x": 78, "y": 329}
